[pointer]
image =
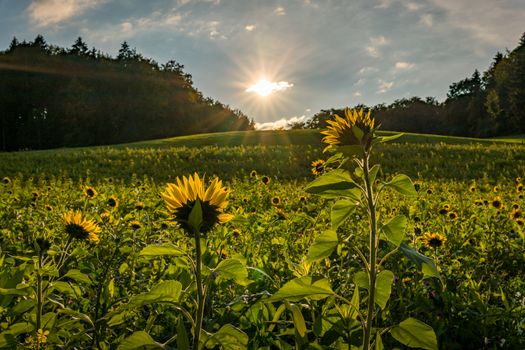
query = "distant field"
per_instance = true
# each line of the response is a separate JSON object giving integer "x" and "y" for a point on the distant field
{"x": 285, "y": 154}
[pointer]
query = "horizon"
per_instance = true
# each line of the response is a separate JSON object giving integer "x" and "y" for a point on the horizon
{"x": 274, "y": 61}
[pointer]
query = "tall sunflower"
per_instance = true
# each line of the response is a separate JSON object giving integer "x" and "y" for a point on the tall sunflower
{"x": 78, "y": 227}
{"x": 182, "y": 196}
{"x": 340, "y": 131}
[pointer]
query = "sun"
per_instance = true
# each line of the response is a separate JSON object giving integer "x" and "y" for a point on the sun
{"x": 265, "y": 88}
{"x": 262, "y": 88}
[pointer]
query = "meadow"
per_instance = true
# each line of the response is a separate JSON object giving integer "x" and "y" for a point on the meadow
{"x": 134, "y": 287}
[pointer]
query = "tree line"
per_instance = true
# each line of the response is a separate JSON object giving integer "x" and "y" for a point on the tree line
{"x": 482, "y": 105}
{"x": 59, "y": 97}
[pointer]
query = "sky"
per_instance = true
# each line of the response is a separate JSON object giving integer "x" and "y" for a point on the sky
{"x": 281, "y": 61}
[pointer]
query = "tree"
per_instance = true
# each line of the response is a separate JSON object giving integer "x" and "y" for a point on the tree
{"x": 79, "y": 47}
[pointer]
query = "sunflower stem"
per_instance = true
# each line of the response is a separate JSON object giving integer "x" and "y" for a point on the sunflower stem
{"x": 39, "y": 303}
{"x": 372, "y": 259}
{"x": 200, "y": 290}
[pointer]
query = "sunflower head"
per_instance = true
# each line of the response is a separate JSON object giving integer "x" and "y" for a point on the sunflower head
{"x": 135, "y": 224}
{"x": 89, "y": 192}
{"x": 453, "y": 215}
{"x": 253, "y": 173}
{"x": 318, "y": 167}
{"x": 518, "y": 179}
{"x": 78, "y": 227}
{"x": 113, "y": 201}
{"x": 520, "y": 222}
{"x": 356, "y": 128}
{"x": 495, "y": 189}
{"x": 516, "y": 214}
{"x": 432, "y": 240}
{"x": 6, "y": 180}
{"x": 265, "y": 180}
{"x": 181, "y": 197}
{"x": 472, "y": 188}
{"x": 276, "y": 201}
{"x": 519, "y": 187}
{"x": 497, "y": 203}
{"x": 139, "y": 205}
{"x": 48, "y": 207}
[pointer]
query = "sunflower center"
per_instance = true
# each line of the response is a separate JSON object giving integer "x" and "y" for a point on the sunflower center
{"x": 435, "y": 242}
{"x": 77, "y": 231}
{"x": 210, "y": 216}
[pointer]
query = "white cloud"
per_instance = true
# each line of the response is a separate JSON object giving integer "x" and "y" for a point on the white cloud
{"x": 384, "y": 86}
{"x": 365, "y": 70}
{"x": 404, "y": 66}
{"x": 383, "y": 4}
{"x": 279, "y": 11}
{"x": 49, "y": 12}
{"x": 412, "y": 6}
{"x": 357, "y": 94}
{"x": 427, "y": 20}
{"x": 250, "y": 27}
{"x": 308, "y": 110}
{"x": 265, "y": 87}
{"x": 126, "y": 27}
{"x": 280, "y": 124}
{"x": 372, "y": 51}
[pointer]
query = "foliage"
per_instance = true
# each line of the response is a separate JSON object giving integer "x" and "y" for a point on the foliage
{"x": 132, "y": 286}
{"x": 55, "y": 97}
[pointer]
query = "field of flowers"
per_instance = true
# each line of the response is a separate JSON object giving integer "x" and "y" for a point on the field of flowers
{"x": 96, "y": 251}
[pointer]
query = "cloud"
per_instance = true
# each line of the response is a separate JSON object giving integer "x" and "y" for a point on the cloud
{"x": 279, "y": 11}
{"x": 404, "y": 66}
{"x": 384, "y": 86}
{"x": 282, "y": 123}
{"x": 372, "y": 49}
{"x": 412, "y": 6}
{"x": 49, "y": 12}
{"x": 265, "y": 87}
{"x": 427, "y": 20}
{"x": 357, "y": 94}
{"x": 250, "y": 27}
{"x": 383, "y": 4}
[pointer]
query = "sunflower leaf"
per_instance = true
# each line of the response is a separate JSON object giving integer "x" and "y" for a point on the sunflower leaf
{"x": 195, "y": 218}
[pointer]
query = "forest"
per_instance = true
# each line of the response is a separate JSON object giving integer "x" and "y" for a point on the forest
{"x": 61, "y": 97}
{"x": 485, "y": 104}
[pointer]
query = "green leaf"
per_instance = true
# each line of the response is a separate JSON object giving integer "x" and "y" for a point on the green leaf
{"x": 383, "y": 287}
{"x": 15, "y": 291}
{"x": 233, "y": 269}
{"x": 182, "y": 336}
{"x": 378, "y": 342}
{"x": 402, "y": 184}
{"x": 78, "y": 276}
{"x": 415, "y": 334}
{"x": 373, "y": 172}
{"x": 323, "y": 245}
{"x": 228, "y": 337}
{"x": 389, "y": 138}
{"x": 315, "y": 288}
{"x": 336, "y": 183}
{"x": 349, "y": 150}
{"x": 155, "y": 250}
{"x": 298, "y": 319}
{"x": 139, "y": 341}
{"x": 424, "y": 263}
{"x": 358, "y": 133}
{"x": 77, "y": 315}
{"x": 165, "y": 292}
{"x": 394, "y": 230}
{"x": 195, "y": 218}
{"x": 341, "y": 210}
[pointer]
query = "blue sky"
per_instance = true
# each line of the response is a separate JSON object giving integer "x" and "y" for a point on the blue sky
{"x": 316, "y": 53}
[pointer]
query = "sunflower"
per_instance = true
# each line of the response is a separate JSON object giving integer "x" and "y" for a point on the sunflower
{"x": 135, "y": 224}
{"x": 48, "y": 207}
{"x": 516, "y": 214}
{"x": 265, "y": 180}
{"x": 253, "y": 173}
{"x": 181, "y": 197}
{"x": 520, "y": 221}
{"x": 497, "y": 203}
{"x": 318, "y": 167}
{"x": 113, "y": 201}
{"x": 453, "y": 215}
{"x": 139, "y": 205}
{"x": 6, "y": 180}
{"x": 276, "y": 201}
{"x": 518, "y": 180}
{"x": 472, "y": 188}
{"x": 495, "y": 189}
{"x": 432, "y": 240}
{"x": 89, "y": 192}
{"x": 478, "y": 202}
{"x": 340, "y": 131}
{"x": 429, "y": 191}
{"x": 302, "y": 199}
{"x": 519, "y": 187}
{"x": 77, "y": 226}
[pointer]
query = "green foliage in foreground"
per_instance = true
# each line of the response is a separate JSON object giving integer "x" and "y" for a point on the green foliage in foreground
{"x": 131, "y": 287}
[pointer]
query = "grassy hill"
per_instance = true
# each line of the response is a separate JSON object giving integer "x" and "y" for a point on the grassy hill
{"x": 284, "y": 154}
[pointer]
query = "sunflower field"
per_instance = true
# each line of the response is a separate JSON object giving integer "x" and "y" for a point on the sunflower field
{"x": 162, "y": 246}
